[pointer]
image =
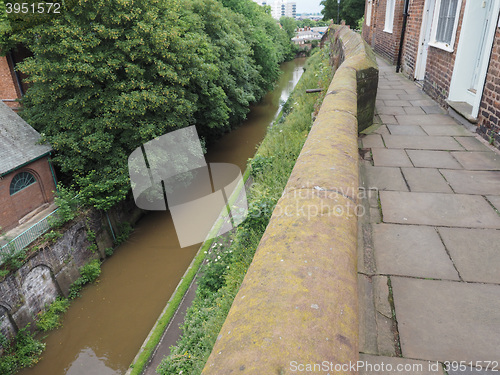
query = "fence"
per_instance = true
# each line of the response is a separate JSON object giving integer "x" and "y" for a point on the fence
{"x": 28, "y": 236}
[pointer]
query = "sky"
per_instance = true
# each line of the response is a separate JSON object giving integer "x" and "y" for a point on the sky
{"x": 308, "y": 6}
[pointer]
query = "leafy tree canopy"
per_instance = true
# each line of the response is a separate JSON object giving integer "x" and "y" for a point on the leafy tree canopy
{"x": 109, "y": 75}
{"x": 350, "y": 10}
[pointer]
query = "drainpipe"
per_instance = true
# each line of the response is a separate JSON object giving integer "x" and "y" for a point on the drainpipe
{"x": 403, "y": 31}
{"x": 111, "y": 227}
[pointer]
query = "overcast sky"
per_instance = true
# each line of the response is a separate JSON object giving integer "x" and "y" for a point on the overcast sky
{"x": 308, "y": 6}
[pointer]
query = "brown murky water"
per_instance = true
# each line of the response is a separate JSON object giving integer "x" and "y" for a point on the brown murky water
{"x": 103, "y": 330}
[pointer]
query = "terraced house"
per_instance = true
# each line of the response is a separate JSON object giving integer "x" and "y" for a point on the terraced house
{"x": 451, "y": 46}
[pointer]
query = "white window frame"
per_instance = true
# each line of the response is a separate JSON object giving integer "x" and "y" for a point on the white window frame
{"x": 449, "y": 47}
{"x": 390, "y": 5}
{"x": 368, "y": 20}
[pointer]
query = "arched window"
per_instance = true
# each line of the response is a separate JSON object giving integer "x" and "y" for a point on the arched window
{"x": 20, "y": 181}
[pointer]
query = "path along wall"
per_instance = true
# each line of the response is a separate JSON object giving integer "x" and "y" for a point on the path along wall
{"x": 298, "y": 302}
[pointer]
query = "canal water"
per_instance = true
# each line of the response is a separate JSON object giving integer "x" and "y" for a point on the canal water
{"x": 103, "y": 330}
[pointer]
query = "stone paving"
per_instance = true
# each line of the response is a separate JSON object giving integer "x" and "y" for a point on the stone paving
{"x": 429, "y": 242}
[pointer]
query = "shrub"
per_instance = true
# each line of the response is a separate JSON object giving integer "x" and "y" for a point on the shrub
{"x": 23, "y": 351}
{"x": 51, "y": 318}
{"x": 88, "y": 274}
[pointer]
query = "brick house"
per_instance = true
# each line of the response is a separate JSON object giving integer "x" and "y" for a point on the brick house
{"x": 452, "y": 47}
{"x": 27, "y": 181}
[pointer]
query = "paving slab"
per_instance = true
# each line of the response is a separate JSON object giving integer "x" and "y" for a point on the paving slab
{"x": 447, "y": 320}
{"x": 386, "y": 110}
{"x": 433, "y": 109}
{"x": 386, "y": 95}
{"x": 450, "y": 210}
{"x": 416, "y": 95}
{"x": 473, "y": 182}
{"x": 472, "y": 144}
{"x": 398, "y": 103}
{"x": 447, "y": 129}
{"x": 437, "y": 119}
{"x": 410, "y": 250}
{"x": 427, "y": 180}
{"x": 424, "y": 103}
{"x": 390, "y": 158}
{"x": 382, "y": 365}
{"x": 406, "y": 130}
{"x": 495, "y": 201}
{"x": 389, "y": 119}
{"x": 475, "y": 252}
{"x": 382, "y": 130}
{"x": 372, "y": 140}
{"x": 421, "y": 142}
{"x": 413, "y": 111}
{"x": 481, "y": 161}
{"x": 384, "y": 178}
{"x": 433, "y": 159}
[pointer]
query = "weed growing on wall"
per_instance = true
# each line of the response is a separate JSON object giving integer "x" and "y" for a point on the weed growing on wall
{"x": 51, "y": 318}
{"x": 229, "y": 258}
{"x": 23, "y": 351}
{"x": 88, "y": 274}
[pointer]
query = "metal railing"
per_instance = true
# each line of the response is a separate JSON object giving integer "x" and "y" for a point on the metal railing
{"x": 28, "y": 236}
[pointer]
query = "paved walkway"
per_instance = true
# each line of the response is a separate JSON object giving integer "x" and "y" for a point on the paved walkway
{"x": 429, "y": 261}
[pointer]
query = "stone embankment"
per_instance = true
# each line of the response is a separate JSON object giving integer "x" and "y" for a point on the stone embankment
{"x": 298, "y": 304}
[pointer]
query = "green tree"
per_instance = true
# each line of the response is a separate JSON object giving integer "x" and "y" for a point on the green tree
{"x": 109, "y": 75}
{"x": 350, "y": 10}
{"x": 289, "y": 25}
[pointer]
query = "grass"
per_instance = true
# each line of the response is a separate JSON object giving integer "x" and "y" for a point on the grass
{"x": 156, "y": 333}
{"x": 227, "y": 262}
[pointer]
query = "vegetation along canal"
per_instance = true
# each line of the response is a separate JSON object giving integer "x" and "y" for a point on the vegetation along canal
{"x": 103, "y": 330}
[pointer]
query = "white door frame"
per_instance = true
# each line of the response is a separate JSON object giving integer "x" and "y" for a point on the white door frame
{"x": 425, "y": 33}
{"x": 468, "y": 23}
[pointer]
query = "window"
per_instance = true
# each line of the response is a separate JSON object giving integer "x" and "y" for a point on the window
{"x": 446, "y": 22}
{"x": 20, "y": 181}
{"x": 368, "y": 13}
{"x": 389, "y": 15}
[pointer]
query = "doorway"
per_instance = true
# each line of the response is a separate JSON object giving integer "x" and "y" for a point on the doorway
{"x": 473, "y": 54}
{"x": 423, "y": 43}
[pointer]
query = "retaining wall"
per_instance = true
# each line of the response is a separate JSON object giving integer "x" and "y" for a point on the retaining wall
{"x": 298, "y": 302}
{"x": 51, "y": 270}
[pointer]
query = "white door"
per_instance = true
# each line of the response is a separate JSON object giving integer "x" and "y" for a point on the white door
{"x": 425, "y": 35}
{"x": 473, "y": 53}
{"x": 487, "y": 5}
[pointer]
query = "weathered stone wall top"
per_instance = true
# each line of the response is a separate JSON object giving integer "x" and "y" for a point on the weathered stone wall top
{"x": 297, "y": 305}
{"x": 352, "y": 53}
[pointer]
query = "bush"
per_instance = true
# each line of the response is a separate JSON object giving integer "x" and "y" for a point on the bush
{"x": 67, "y": 206}
{"x": 125, "y": 229}
{"x": 88, "y": 274}
{"x": 51, "y": 318}
{"x": 23, "y": 351}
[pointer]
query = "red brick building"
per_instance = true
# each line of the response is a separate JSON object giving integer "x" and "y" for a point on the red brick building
{"x": 26, "y": 176}
{"x": 451, "y": 46}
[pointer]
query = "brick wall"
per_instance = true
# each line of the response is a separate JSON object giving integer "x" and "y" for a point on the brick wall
{"x": 412, "y": 35}
{"x": 384, "y": 43}
{"x": 439, "y": 68}
{"x": 7, "y": 86}
{"x": 489, "y": 111}
{"x": 18, "y": 205}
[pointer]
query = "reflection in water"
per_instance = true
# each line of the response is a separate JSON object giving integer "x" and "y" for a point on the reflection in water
{"x": 88, "y": 362}
{"x": 103, "y": 330}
